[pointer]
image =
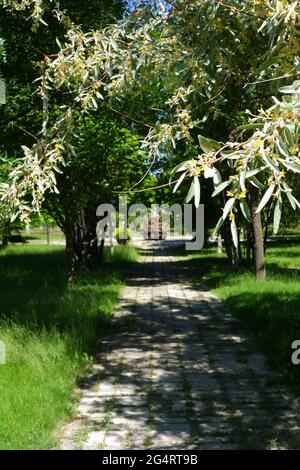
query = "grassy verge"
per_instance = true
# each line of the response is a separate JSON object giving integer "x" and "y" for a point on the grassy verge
{"x": 49, "y": 330}
{"x": 269, "y": 310}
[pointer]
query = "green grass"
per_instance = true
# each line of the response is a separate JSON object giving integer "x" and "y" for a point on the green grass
{"x": 49, "y": 330}
{"x": 269, "y": 310}
{"x": 121, "y": 254}
{"x": 38, "y": 235}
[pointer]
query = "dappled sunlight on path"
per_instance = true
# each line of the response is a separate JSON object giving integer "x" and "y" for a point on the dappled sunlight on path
{"x": 175, "y": 371}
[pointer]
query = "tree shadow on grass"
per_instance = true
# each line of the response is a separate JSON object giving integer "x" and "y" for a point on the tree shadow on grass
{"x": 273, "y": 320}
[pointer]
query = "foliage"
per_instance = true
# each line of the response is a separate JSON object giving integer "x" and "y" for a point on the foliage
{"x": 27, "y": 51}
{"x": 197, "y": 53}
{"x": 2, "y": 49}
{"x": 123, "y": 235}
{"x": 261, "y": 161}
{"x": 107, "y": 159}
{"x": 37, "y": 7}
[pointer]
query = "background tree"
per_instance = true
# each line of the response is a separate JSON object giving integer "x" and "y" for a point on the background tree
{"x": 104, "y": 147}
{"x": 107, "y": 159}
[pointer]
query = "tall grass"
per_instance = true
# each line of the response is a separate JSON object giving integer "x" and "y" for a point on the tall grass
{"x": 49, "y": 330}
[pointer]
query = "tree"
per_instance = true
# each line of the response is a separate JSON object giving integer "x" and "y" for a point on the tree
{"x": 106, "y": 159}
{"x": 23, "y": 113}
{"x": 202, "y": 54}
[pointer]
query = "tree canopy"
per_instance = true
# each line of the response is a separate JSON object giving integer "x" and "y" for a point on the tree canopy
{"x": 199, "y": 76}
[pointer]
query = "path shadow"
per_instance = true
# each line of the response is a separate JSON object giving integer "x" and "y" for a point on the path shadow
{"x": 185, "y": 368}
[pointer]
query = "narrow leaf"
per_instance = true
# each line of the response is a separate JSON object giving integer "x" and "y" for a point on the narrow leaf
{"x": 208, "y": 145}
{"x": 228, "y": 207}
{"x": 181, "y": 167}
{"x": 242, "y": 181}
{"x": 234, "y": 233}
{"x": 221, "y": 187}
{"x": 197, "y": 191}
{"x": 254, "y": 172}
{"x": 289, "y": 140}
{"x": 256, "y": 183}
{"x": 291, "y": 166}
{"x": 265, "y": 198}
{"x": 190, "y": 194}
{"x": 231, "y": 155}
{"x": 217, "y": 178}
{"x": 277, "y": 215}
{"x": 245, "y": 209}
{"x": 269, "y": 162}
{"x": 282, "y": 148}
{"x": 179, "y": 182}
{"x": 217, "y": 227}
{"x": 292, "y": 201}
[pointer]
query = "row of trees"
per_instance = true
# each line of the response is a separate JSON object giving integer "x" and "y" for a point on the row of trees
{"x": 187, "y": 72}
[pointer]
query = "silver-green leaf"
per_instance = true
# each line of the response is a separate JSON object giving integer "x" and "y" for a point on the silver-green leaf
{"x": 228, "y": 207}
{"x": 266, "y": 198}
{"x": 221, "y": 187}
{"x": 197, "y": 190}
{"x": 277, "y": 215}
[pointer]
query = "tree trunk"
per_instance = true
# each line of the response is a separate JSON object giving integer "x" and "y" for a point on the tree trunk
{"x": 6, "y": 232}
{"x": 266, "y": 230}
{"x": 249, "y": 249}
{"x": 231, "y": 251}
{"x": 227, "y": 241}
{"x": 259, "y": 255}
{"x": 101, "y": 252}
{"x": 239, "y": 252}
{"x": 71, "y": 253}
{"x": 79, "y": 223}
{"x": 81, "y": 243}
{"x": 91, "y": 241}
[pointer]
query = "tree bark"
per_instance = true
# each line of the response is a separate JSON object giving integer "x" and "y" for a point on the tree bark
{"x": 71, "y": 253}
{"x": 6, "y": 233}
{"x": 81, "y": 243}
{"x": 92, "y": 251}
{"x": 227, "y": 242}
{"x": 249, "y": 248}
{"x": 259, "y": 255}
{"x": 231, "y": 251}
